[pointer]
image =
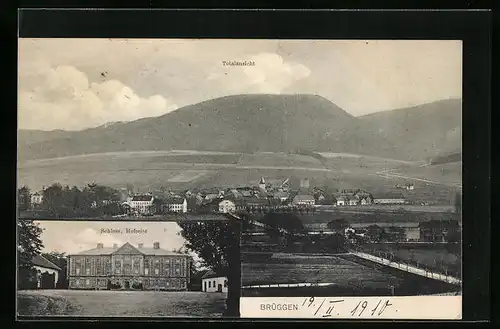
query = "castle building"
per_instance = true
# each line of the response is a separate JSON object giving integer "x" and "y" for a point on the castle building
{"x": 129, "y": 267}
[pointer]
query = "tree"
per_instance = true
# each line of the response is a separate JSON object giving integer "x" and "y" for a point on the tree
{"x": 375, "y": 232}
{"x": 338, "y": 225}
{"x": 53, "y": 199}
{"x": 29, "y": 246}
{"x": 458, "y": 203}
{"x": 23, "y": 198}
{"x": 156, "y": 207}
{"x": 217, "y": 243}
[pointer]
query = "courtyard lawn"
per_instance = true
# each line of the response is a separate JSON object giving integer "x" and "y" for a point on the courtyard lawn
{"x": 120, "y": 303}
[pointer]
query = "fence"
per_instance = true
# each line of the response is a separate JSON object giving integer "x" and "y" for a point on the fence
{"x": 410, "y": 262}
{"x": 289, "y": 285}
{"x": 404, "y": 266}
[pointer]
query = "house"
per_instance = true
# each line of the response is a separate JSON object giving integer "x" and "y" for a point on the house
{"x": 175, "y": 204}
{"x": 389, "y": 198}
{"x": 129, "y": 267}
{"x": 141, "y": 203}
{"x": 365, "y": 200}
{"x": 282, "y": 196}
{"x": 211, "y": 197}
{"x": 353, "y": 200}
{"x": 303, "y": 200}
{"x": 36, "y": 198}
{"x": 47, "y": 273}
{"x": 341, "y": 200}
{"x": 211, "y": 282}
{"x": 227, "y": 206}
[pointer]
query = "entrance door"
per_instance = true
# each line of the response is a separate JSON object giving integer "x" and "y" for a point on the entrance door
{"x": 219, "y": 287}
{"x": 205, "y": 286}
{"x": 127, "y": 284}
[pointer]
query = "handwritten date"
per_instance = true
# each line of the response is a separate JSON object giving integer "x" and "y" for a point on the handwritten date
{"x": 324, "y": 307}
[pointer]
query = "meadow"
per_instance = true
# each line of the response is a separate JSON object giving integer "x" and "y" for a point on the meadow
{"x": 450, "y": 173}
{"x": 120, "y": 303}
{"x": 346, "y": 274}
{"x": 183, "y": 170}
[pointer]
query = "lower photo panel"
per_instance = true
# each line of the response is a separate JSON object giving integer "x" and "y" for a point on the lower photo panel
{"x": 133, "y": 269}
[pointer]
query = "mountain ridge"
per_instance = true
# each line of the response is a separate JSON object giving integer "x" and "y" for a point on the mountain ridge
{"x": 256, "y": 123}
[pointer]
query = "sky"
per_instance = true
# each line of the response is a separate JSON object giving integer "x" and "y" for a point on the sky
{"x": 73, "y": 237}
{"x": 74, "y": 84}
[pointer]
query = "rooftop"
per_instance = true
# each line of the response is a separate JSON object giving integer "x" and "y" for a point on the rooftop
{"x": 174, "y": 200}
{"x": 41, "y": 261}
{"x": 142, "y": 197}
{"x": 127, "y": 248}
{"x": 211, "y": 274}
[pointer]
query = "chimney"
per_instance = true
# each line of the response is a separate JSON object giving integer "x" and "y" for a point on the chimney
{"x": 115, "y": 245}
{"x": 140, "y": 245}
{"x": 156, "y": 245}
{"x": 100, "y": 246}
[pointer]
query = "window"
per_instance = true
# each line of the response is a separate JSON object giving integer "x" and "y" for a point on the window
{"x": 214, "y": 284}
{"x": 87, "y": 271}
{"x": 225, "y": 283}
{"x": 77, "y": 271}
{"x": 77, "y": 282}
{"x": 146, "y": 271}
{"x": 157, "y": 271}
{"x": 87, "y": 282}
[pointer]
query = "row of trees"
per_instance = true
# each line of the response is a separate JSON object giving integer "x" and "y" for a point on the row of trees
{"x": 64, "y": 201}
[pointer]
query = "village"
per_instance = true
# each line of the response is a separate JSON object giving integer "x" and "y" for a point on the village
{"x": 264, "y": 196}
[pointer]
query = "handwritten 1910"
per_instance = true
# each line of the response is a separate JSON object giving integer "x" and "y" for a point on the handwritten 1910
{"x": 327, "y": 306}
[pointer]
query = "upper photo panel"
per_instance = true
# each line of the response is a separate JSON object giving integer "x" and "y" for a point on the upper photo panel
{"x": 152, "y": 129}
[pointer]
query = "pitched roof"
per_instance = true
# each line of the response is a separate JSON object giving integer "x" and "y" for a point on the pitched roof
{"x": 211, "y": 274}
{"x": 174, "y": 200}
{"x": 262, "y": 181}
{"x": 142, "y": 198}
{"x": 41, "y": 261}
{"x": 110, "y": 250}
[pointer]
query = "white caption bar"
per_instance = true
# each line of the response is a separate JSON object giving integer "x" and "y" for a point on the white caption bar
{"x": 407, "y": 308}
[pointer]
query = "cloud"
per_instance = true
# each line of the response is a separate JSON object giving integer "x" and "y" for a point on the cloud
{"x": 65, "y": 98}
{"x": 270, "y": 74}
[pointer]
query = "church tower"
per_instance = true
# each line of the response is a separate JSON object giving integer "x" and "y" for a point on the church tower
{"x": 262, "y": 184}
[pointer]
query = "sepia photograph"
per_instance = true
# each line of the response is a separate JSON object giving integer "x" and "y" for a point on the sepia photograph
{"x": 110, "y": 269}
{"x": 331, "y": 167}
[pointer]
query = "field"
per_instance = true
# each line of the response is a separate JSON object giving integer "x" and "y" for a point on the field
{"x": 430, "y": 256}
{"x": 120, "y": 303}
{"x": 267, "y": 268}
{"x": 449, "y": 173}
{"x": 346, "y": 274}
{"x": 185, "y": 170}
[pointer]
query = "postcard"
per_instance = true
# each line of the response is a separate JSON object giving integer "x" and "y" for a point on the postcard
{"x": 298, "y": 172}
